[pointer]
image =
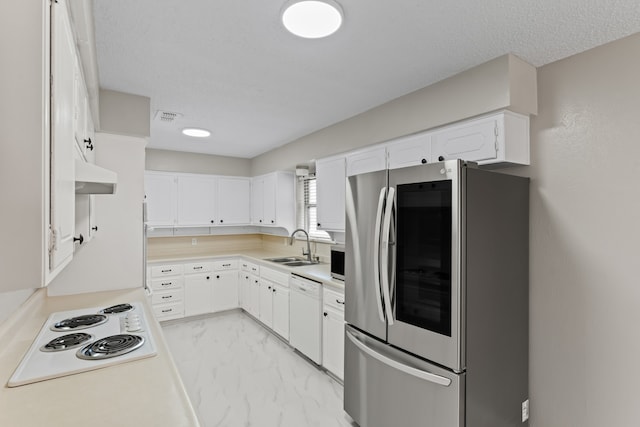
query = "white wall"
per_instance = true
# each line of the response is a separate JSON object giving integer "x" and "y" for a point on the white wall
{"x": 176, "y": 161}
{"x": 113, "y": 259}
{"x": 585, "y": 208}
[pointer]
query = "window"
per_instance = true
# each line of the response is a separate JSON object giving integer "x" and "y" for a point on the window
{"x": 307, "y": 208}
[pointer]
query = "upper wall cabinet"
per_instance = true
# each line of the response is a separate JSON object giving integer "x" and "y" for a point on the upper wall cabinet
{"x": 234, "y": 200}
{"x": 197, "y": 200}
{"x": 410, "y": 150}
{"x": 63, "y": 97}
{"x": 367, "y": 160}
{"x": 192, "y": 200}
{"x": 161, "y": 195}
{"x": 496, "y": 139}
{"x": 331, "y": 184}
{"x": 273, "y": 200}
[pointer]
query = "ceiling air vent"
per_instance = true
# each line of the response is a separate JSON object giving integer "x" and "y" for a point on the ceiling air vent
{"x": 167, "y": 116}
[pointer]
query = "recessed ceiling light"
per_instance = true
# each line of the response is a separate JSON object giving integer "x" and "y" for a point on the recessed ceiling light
{"x": 312, "y": 19}
{"x": 196, "y": 133}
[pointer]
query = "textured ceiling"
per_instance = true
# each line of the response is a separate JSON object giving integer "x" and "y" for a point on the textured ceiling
{"x": 229, "y": 66}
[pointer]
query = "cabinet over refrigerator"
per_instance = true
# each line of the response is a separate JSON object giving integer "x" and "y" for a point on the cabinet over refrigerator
{"x": 436, "y": 282}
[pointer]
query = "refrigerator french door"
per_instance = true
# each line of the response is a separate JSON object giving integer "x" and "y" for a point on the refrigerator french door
{"x": 436, "y": 297}
{"x": 404, "y": 275}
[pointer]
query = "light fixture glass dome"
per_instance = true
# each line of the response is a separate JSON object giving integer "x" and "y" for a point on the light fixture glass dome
{"x": 312, "y": 19}
{"x": 196, "y": 132}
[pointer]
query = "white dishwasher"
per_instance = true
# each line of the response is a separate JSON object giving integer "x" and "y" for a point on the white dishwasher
{"x": 305, "y": 320}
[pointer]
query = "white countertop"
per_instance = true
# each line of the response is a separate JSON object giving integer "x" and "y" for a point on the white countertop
{"x": 146, "y": 392}
{"x": 319, "y": 272}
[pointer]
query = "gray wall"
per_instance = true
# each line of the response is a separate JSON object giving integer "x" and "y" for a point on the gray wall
{"x": 124, "y": 113}
{"x": 585, "y": 205}
{"x": 505, "y": 82}
{"x": 175, "y": 161}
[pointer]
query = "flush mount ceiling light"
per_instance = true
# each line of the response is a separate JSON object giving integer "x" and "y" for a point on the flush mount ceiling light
{"x": 196, "y": 133}
{"x": 312, "y": 19}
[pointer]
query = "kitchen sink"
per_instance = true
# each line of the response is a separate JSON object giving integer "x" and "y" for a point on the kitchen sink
{"x": 284, "y": 259}
{"x": 299, "y": 263}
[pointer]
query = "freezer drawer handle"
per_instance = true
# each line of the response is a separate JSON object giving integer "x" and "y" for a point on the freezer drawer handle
{"x": 428, "y": 376}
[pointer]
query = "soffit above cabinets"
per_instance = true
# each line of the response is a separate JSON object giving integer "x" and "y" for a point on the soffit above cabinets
{"x": 232, "y": 68}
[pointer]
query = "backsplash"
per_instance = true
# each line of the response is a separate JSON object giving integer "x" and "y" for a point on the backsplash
{"x": 208, "y": 245}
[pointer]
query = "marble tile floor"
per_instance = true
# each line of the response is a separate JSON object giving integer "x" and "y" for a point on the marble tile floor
{"x": 238, "y": 374}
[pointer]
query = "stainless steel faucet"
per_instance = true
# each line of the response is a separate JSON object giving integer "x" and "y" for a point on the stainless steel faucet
{"x": 308, "y": 253}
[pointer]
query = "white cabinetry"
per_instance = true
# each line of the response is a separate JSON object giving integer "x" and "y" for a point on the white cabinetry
{"x": 367, "y": 160}
{"x": 161, "y": 193}
{"x": 250, "y": 288}
{"x": 63, "y": 86}
{"x": 274, "y": 300}
{"x": 225, "y": 285}
{"x": 272, "y": 200}
{"x": 333, "y": 332}
{"x": 266, "y": 302}
{"x": 410, "y": 150}
{"x": 331, "y": 184}
{"x": 281, "y": 311}
{"x": 198, "y": 289}
{"x": 499, "y": 138}
{"x": 168, "y": 291}
{"x": 196, "y": 199}
{"x": 234, "y": 201}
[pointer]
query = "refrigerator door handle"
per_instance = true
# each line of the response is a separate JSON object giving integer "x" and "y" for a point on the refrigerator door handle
{"x": 418, "y": 373}
{"x": 376, "y": 254}
{"x": 386, "y": 228}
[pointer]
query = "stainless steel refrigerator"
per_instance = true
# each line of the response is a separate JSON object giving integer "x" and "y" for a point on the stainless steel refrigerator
{"x": 436, "y": 282}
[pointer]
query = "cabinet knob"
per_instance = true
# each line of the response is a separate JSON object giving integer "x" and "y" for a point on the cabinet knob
{"x": 423, "y": 161}
{"x": 80, "y": 239}
{"x": 213, "y": 221}
{"x": 218, "y": 276}
{"x": 325, "y": 314}
{"x": 318, "y": 224}
{"x": 269, "y": 287}
{"x": 221, "y": 221}
{"x": 208, "y": 277}
{"x": 260, "y": 220}
{"x": 272, "y": 221}
{"x": 95, "y": 228}
{"x": 441, "y": 159}
{"x": 274, "y": 289}
{"x": 88, "y": 144}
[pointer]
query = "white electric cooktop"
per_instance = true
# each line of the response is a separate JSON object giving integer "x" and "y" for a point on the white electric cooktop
{"x": 71, "y": 342}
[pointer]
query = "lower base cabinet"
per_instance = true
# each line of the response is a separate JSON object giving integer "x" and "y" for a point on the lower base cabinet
{"x": 198, "y": 294}
{"x": 333, "y": 332}
{"x": 225, "y": 290}
{"x": 281, "y": 311}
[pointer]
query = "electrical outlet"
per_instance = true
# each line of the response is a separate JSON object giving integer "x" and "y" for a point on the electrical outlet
{"x": 525, "y": 410}
{"x": 194, "y": 241}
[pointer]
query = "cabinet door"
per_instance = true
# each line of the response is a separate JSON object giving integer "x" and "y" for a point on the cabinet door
{"x": 234, "y": 200}
{"x": 254, "y": 296}
{"x": 63, "y": 59}
{"x": 281, "y": 311}
{"x": 197, "y": 294}
{"x": 331, "y": 183}
{"x": 90, "y": 134}
{"x": 196, "y": 200}
{"x": 410, "y": 151}
{"x": 266, "y": 303}
{"x": 269, "y": 195}
{"x": 80, "y": 115}
{"x": 370, "y": 160}
{"x": 333, "y": 342}
{"x": 475, "y": 141}
{"x": 225, "y": 290}
{"x": 257, "y": 201}
{"x": 161, "y": 197}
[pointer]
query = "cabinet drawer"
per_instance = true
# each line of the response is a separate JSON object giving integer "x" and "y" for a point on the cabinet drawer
{"x": 333, "y": 299}
{"x": 197, "y": 267}
{"x": 229, "y": 264}
{"x": 250, "y": 267}
{"x": 166, "y": 270}
{"x": 174, "y": 310}
{"x": 164, "y": 297}
{"x": 166, "y": 283}
{"x": 275, "y": 276}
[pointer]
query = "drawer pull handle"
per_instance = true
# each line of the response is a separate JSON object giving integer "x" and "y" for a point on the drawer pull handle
{"x": 167, "y": 297}
{"x": 166, "y": 284}
{"x": 226, "y": 265}
{"x": 340, "y": 302}
{"x": 166, "y": 271}
{"x": 198, "y": 267}
{"x": 168, "y": 310}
